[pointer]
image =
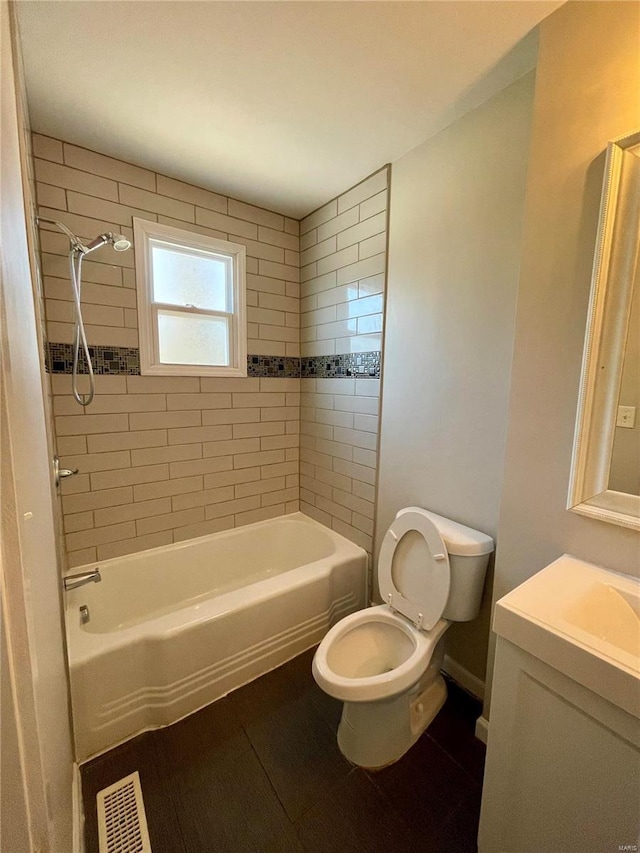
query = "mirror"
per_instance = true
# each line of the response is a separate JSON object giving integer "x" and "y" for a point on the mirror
{"x": 605, "y": 473}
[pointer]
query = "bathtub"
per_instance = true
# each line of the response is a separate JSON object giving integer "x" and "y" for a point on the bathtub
{"x": 174, "y": 628}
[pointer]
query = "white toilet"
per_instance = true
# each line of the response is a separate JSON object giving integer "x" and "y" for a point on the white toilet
{"x": 384, "y": 662}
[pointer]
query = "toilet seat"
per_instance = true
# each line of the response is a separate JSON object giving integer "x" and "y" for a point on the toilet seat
{"x": 423, "y": 609}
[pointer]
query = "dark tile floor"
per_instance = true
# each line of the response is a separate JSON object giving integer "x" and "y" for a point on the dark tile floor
{"x": 260, "y": 772}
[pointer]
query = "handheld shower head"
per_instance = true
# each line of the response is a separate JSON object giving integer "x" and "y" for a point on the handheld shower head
{"x": 118, "y": 241}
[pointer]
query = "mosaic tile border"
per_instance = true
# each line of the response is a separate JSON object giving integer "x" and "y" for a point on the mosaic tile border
{"x": 125, "y": 361}
{"x": 359, "y": 364}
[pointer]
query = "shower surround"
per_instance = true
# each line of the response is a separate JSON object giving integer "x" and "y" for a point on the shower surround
{"x": 165, "y": 459}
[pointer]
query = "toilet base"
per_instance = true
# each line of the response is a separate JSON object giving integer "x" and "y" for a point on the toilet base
{"x": 374, "y": 734}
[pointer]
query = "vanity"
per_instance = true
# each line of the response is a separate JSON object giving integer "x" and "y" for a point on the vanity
{"x": 563, "y": 757}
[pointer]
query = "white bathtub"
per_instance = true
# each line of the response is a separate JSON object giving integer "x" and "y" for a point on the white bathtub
{"x": 174, "y": 628}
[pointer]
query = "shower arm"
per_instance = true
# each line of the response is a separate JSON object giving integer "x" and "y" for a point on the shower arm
{"x": 76, "y": 244}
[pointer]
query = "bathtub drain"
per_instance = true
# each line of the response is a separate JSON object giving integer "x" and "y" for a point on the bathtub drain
{"x": 122, "y": 823}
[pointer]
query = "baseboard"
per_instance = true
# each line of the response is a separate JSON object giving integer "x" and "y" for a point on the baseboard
{"x": 482, "y": 729}
{"x": 78, "y": 811}
{"x": 471, "y": 683}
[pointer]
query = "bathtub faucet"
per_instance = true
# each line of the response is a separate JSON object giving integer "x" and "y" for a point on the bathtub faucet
{"x": 73, "y": 581}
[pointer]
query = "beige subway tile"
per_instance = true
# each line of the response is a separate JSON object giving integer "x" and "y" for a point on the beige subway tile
{"x": 264, "y": 284}
{"x": 353, "y": 534}
{"x": 292, "y": 506}
{"x": 279, "y": 469}
{"x": 334, "y": 448}
{"x": 357, "y": 438}
{"x": 355, "y": 471}
{"x": 229, "y": 478}
{"x": 276, "y": 384}
{"x": 126, "y": 440}
{"x": 308, "y": 239}
{"x": 316, "y": 487}
{"x": 338, "y": 224}
{"x": 97, "y": 500}
{"x": 361, "y": 522}
{"x": 78, "y": 521}
{"x": 292, "y": 481}
{"x": 224, "y": 448}
{"x": 129, "y": 403}
{"x": 368, "y": 423}
{"x": 210, "y": 465}
{"x": 92, "y": 273}
{"x": 262, "y": 457}
{"x": 232, "y": 506}
{"x": 318, "y": 400}
{"x": 203, "y": 497}
{"x": 173, "y": 453}
{"x": 368, "y": 387}
{"x": 308, "y": 272}
{"x": 190, "y": 435}
{"x": 92, "y": 294}
{"x": 315, "y": 513}
{"x": 259, "y": 215}
{"x": 65, "y": 405}
{"x": 129, "y": 477}
{"x": 266, "y": 315}
{"x": 193, "y": 227}
{"x": 151, "y": 201}
{"x": 364, "y": 490}
{"x": 261, "y": 400}
{"x": 280, "y": 413}
{"x": 252, "y": 266}
{"x": 227, "y": 224}
{"x": 364, "y": 190}
{"x": 117, "y": 170}
{"x": 108, "y": 211}
{"x": 260, "y": 347}
{"x": 84, "y": 227}
{"x": 89, "y": 463}
{"x": 283, "y": 495}
{"x": 319, "y": 284}
{"x": 291, "y": 226}
{"x": 252, "y": 298}
{"x": 343, "y": 258}
{"x": 278, "y": 238}
{"x": 354, "y": 502}
{"x": 130, "y": 318}
{"x": 318, "y": 317}
{"x": 371, "y": 285}
{"x": 317, "y": 430}
{"x": 281, "y": 271}
{"x": 82, "y": 557}
{"x": 332, "y": 478}
{"x": 365, "y": 457}
{"x": 132, "y": 546}
{"x": 190, "y": 194}
{"x": 61, "y": 384}
{"x": 46, "y": 147}
{"x": 72, "y": 179}
{"x": 115, "y": 337}
{"x": 258, "y": 429}
{"x": 292, "y": 289}
{"x": 164, "y": 420}
{"x": 145, "y": 526}
{"x": 71, "y": 444}
{"x": 223, "y": 384}
{"x": 363, "y": 269}
{"x": 362, "y": 405}
{"x": 243, "y": 490}
{"x": 335, "y": 418}
{"x": 192, "y": 531}
{"x": 86, "y": 424}
{"x": 198, "y": 401}
{"x": 279, "y": 303}
{"x": 166, "y": 488}
{"x": 293, "y": 350}
{"x": 278, "y": 333}
{"x": 211, "y": 417}
{"x": 49, "y": 196}
{"x": 363, "y": 230}
{"x": 372, "y": 246}
{"x": 259, "y": 514}
{"x": 279, "y": 442}
{"x": 292, "y": 320}
{"x": 163, "y": 384}
{"x": 100, "y": 535}
{"x": 131, "y": 511}
{"x": 318, "y": 250}
{"x": 324, "y": 213}
{"x": 263, "y": 251}
{"x": 374, "y": 204}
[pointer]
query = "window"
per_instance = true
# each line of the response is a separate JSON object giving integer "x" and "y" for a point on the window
{"x": 191, "y": 302}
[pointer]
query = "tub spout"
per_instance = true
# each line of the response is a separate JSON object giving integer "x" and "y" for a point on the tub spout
{"x": 73, "y": 581}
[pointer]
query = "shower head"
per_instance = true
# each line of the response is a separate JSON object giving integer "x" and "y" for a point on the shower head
{"x": 118, "y": 241}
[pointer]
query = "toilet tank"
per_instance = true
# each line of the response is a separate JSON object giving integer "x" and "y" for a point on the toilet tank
{"x": 469, "y": 552}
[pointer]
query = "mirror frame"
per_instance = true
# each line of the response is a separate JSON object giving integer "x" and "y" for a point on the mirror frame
{"x": 603, "y": 358}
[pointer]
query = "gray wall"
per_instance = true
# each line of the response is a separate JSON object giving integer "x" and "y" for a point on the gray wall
{"x": 587, "y": 92}
{"x": 454, "y": 257}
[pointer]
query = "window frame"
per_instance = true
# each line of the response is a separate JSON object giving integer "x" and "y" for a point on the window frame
{"x": 144, "y": 232}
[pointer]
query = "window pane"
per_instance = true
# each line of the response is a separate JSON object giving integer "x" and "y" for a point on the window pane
{"x": 191, "y": 279}
{"x": 193, "y": 339}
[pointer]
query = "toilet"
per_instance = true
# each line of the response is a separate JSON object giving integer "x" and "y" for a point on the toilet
{"x": 384, "y": 662}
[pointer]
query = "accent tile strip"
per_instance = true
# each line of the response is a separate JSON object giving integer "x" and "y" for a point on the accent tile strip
{"x": 125, "y": 361}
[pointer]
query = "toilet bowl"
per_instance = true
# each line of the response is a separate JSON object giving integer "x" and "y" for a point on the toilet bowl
{"x": 384, "y": 662}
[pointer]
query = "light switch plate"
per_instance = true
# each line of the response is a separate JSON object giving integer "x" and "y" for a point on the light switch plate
{"x": 626, "y": 417}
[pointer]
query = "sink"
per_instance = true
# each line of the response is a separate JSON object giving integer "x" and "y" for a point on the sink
{"x": 609, "y": 614}
{"x": 584, "y": 621}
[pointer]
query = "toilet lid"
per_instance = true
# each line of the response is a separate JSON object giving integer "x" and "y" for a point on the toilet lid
{"x": 414, "y": 575}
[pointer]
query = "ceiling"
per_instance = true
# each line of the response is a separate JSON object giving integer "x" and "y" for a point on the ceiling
{"x": 283, "y": 104}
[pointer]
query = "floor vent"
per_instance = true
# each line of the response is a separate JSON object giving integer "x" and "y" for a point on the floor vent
{"x": 122, "y": 823}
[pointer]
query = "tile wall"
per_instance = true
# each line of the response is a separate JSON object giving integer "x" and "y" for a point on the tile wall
{"x": 343, "y": 263}
{"x": 164, "y": 459}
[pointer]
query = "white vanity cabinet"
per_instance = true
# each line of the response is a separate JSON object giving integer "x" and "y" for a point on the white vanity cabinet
{"x": 563, "y": 758}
